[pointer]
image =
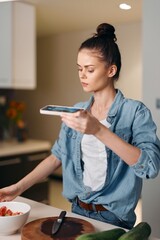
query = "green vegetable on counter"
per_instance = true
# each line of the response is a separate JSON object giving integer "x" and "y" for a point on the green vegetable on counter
{"x": 112, "y": 234}
{"x": 141, "y": 231}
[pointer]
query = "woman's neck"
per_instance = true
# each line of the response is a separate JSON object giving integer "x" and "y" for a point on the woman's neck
{"x": 102, "y": 103}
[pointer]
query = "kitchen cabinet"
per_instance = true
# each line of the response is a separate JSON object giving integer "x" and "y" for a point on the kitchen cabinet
{"x": 14, "y": 166}
{"x": 38, "y": 192}
{"x": 17, "y": 45}
{"x": 10, "y": 170}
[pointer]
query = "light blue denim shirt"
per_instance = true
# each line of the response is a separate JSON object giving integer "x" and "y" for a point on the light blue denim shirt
{"x": 132, "y": 121}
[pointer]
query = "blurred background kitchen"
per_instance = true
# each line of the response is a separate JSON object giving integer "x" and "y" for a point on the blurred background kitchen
{"x": 39, "y": 40}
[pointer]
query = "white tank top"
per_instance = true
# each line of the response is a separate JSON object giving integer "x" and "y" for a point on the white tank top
{"x": 94, "y": 157}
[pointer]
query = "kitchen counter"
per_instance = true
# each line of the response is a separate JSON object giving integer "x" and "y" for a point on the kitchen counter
{"x": 8, "y": 148}
{"x": 39, "y": 210}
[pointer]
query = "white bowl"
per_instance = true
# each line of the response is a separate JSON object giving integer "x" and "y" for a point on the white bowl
{"x": 11, "y": 224}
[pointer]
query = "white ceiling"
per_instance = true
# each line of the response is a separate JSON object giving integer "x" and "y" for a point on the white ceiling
{"x": 57, "y": 16}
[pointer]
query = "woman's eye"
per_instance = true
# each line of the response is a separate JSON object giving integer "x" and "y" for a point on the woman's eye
{"x": 90, "y": 70}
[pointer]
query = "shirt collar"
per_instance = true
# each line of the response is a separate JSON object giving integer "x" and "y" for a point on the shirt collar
{"x": 118, "y": 100}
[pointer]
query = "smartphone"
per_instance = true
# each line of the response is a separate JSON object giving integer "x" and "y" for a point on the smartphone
{"x": 58, "y": 110}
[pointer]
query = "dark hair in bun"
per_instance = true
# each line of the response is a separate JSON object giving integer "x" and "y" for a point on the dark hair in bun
{"x": 104, "y": 42}
{"x": 106, "y": 30}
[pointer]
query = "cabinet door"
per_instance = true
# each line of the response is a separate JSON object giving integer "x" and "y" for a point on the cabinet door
{"x": 5, "y": 45}
{"x": 11, "y": 171}
{"x": 24, "y": 46}
{"x": 32, "y": 160}
{"x": 17, "y": 45}
{"x": 38, "y": 192}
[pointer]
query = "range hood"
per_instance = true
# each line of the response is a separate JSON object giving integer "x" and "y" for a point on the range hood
{"x": 17, "y": 45}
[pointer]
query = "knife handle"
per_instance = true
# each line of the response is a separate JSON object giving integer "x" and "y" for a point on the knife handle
{"x": 61, "y": 216}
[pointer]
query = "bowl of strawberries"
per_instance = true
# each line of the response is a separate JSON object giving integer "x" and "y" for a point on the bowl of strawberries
{"x": 13, "y": 215}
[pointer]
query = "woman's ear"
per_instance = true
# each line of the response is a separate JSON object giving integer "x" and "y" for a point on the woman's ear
{"x": 112, "y": 70}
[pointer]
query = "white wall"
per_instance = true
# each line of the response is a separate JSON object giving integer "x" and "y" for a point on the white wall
{"x": 129, "y": 40}
{"x": 151, "y": 91}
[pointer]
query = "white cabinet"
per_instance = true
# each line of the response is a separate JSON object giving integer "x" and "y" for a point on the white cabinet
{"x": 17, "y": 45}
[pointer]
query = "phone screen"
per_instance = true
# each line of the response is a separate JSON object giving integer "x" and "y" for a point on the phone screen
{"x": 61, "y": 109}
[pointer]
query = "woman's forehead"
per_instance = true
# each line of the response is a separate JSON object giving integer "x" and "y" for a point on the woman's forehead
{"x": 89, "y": 54}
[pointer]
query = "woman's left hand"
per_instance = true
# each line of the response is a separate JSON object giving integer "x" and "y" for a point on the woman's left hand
{"x": 82, "y": 121}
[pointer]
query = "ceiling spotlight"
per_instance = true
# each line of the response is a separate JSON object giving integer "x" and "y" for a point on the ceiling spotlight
{"x": 124, "y": 6}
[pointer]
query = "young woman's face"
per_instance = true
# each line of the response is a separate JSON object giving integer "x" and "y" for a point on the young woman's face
{"x": 93, "y": 72}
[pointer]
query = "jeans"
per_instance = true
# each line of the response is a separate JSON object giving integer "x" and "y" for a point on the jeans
{"x": 103, "y": 216}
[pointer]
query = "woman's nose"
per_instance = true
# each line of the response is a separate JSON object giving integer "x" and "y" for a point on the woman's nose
{"x": 82, "y": 74}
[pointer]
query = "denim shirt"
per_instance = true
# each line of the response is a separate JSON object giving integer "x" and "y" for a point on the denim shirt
{"x": 131, "y": 120}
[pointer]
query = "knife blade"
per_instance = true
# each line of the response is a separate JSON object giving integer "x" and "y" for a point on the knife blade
{"x": 57, "y": 223}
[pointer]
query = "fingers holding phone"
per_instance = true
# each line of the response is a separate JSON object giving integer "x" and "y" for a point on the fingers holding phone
{"x": 82, "y": 121}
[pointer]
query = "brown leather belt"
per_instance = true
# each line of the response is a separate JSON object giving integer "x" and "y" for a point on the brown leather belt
{"x": 90, "y": 206}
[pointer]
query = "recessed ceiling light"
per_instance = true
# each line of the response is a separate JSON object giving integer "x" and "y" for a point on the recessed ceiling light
{"x": 124, "y": 6}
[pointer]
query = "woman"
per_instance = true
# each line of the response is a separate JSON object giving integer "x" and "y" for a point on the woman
{"x": 105, "y": 150}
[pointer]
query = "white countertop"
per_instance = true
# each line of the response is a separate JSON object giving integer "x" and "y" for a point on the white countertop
{"x": 39, "y": 210}
{"x": 8, "y": 148}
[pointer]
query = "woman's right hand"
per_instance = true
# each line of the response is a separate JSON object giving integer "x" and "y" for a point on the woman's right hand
{"x": 9, "y": 193}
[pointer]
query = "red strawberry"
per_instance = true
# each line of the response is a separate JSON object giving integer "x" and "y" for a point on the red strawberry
{"x": 3, "y": 210}
{"x": 9, "y": 212}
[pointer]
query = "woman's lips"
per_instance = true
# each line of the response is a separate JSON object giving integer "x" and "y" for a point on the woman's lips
{"x": 84, "y": 84}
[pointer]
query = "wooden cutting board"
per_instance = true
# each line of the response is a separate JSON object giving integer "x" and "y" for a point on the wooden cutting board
{"x": 71, "y": 228}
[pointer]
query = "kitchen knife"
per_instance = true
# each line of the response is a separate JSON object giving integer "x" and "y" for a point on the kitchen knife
{"x": 57, "y": 223}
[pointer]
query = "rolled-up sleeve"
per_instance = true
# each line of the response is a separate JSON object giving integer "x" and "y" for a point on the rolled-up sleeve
{"x": 145, "y": 138}
{"x": 56, "y": 148}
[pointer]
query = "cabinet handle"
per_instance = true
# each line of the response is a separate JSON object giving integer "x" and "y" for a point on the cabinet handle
{"x": 9, "y": 162}
{"x": 37, "y": 157}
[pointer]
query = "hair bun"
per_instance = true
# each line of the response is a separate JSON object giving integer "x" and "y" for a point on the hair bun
{"x": 106, "y": 30}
